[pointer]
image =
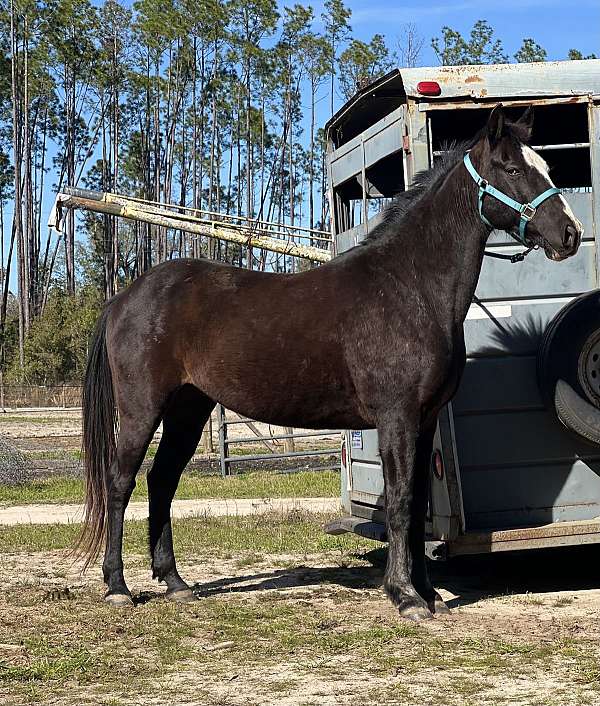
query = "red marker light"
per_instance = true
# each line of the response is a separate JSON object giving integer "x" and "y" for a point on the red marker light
{"x": 429, "y": 88}
{"x": 437, "y": 464}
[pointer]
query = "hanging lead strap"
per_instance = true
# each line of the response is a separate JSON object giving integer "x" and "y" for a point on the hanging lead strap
{"x": 517, "y": 257}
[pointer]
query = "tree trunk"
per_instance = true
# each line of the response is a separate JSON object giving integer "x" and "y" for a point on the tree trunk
{"x": 311, "y": 165}
{"x": 18, "y": 157}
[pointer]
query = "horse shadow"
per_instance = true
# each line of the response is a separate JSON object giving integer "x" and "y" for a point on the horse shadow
{"x": 522, "y": 336}
{"x": 351, "y": 577}
{"x": 470, "y": 579}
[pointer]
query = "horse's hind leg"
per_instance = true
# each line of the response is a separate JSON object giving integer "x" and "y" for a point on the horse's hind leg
{"x": 133, "y": 441}
{"x": 183, "y": 422}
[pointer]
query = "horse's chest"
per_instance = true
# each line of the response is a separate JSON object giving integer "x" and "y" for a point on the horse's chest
{"x": 429, "y": 366}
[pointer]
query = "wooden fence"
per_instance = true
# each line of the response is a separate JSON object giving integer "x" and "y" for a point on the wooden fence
{"x": 24, "y": 396}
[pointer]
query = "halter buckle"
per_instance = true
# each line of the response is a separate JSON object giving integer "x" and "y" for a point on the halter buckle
{"x": 527, "y": 212}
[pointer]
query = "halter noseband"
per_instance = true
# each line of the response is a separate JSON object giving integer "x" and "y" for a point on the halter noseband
{"x": 526, "y": 210}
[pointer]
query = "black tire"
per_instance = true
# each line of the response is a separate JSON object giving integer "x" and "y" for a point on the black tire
{"x": 569, "y": 366}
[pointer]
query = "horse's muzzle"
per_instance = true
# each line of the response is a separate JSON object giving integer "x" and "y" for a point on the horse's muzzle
{"x": 572, "y": 238}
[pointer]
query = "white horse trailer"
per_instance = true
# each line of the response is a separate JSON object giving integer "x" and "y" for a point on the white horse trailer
{"x": 516, "y": 461}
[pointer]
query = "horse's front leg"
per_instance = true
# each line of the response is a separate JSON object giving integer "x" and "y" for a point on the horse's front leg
{"x": 398, "y": 448}
{"x": 420, "y": 576}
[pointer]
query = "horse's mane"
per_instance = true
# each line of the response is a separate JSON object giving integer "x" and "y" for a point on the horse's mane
{"x": 429, "y": 179}
{"x": 424, "y": 182}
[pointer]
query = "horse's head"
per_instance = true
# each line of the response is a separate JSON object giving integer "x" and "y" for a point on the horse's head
{"x": 504, "y": 166}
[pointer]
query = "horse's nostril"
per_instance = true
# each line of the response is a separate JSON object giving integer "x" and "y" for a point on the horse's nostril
{"x": 570, "y": 236}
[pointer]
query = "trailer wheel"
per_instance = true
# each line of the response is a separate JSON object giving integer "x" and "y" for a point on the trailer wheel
{"x": 569, "y": 366}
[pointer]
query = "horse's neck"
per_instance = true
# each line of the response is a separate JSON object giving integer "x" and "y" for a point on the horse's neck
{"x": 443, "y": 238}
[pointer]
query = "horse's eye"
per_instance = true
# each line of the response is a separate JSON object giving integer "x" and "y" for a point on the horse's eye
{"x": 513, "y": 171}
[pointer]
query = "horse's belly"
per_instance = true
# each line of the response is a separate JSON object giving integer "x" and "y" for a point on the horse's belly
{"x": 293, "y": 400}
{"x": 308, "y": 418}
{"x": 315, "y": 419}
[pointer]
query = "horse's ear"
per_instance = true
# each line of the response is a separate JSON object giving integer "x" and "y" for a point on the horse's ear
{"x": 524, "y": 125}
{"x": 495, "y": 126}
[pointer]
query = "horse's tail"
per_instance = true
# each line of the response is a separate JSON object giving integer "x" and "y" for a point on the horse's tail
{"x": 99, "y": 441}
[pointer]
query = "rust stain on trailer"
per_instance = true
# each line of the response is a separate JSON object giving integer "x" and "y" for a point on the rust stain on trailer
{"x": 474, "y": 79}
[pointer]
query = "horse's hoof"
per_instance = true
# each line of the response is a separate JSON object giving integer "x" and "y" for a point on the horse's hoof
{"x": 182, "y": 595}
{"x": 416, "y": 613}
{"x": 119, "y": 600}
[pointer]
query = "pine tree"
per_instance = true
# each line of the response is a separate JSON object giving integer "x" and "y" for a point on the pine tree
{"x": 70, "y": 28}
{"x": 111, "y": 75}
{"x": 314, "y": 50}
{"x": 362, "y": 63}
{"x": 251, "y": 21}
{"x": 530, "y": 51}
{"x": 576, "y": 55}
{"x": 335, "y": 18}
{"x": 481, "y": 48}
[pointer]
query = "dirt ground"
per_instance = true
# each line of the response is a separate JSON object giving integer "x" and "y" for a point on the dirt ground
{"x": 303, "y": 631}
{"x": 54, "y": 513}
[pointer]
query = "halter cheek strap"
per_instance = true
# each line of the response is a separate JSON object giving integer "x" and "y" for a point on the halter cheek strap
{"x": 526, "y": 210}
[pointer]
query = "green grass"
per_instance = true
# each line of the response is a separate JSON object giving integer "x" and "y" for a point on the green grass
{"x": 64, "y": 454}
{"x": 50, "y": 662}
{"x": 273, "y": 533}
{"x": 65, "y": 489}
{"x": 57, "y": 489}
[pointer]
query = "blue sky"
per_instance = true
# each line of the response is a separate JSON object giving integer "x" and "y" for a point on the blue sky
{"x": 557, "y": 25}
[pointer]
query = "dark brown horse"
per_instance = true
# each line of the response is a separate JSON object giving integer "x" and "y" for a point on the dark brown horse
{"x": 372, "y": 339}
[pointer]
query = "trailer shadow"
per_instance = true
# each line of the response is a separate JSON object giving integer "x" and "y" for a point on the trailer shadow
{"x": 474, "y": 578}
{"x": 470, "y": 579}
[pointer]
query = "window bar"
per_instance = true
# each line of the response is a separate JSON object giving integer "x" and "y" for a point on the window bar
{"x": 539, "y": 148}
{"x": 562, "y": 146}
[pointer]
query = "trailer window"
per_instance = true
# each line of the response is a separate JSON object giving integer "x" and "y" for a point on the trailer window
{"x": 348, "y": 204}
{"x": 560, "y": 135}
{"x": 383, "y": 180}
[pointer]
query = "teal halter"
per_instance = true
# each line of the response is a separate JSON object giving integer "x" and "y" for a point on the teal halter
{"x": 526, "y": 210}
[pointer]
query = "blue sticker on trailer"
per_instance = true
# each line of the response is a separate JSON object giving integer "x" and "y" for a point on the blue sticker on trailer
{"x": 357, "y": 440}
